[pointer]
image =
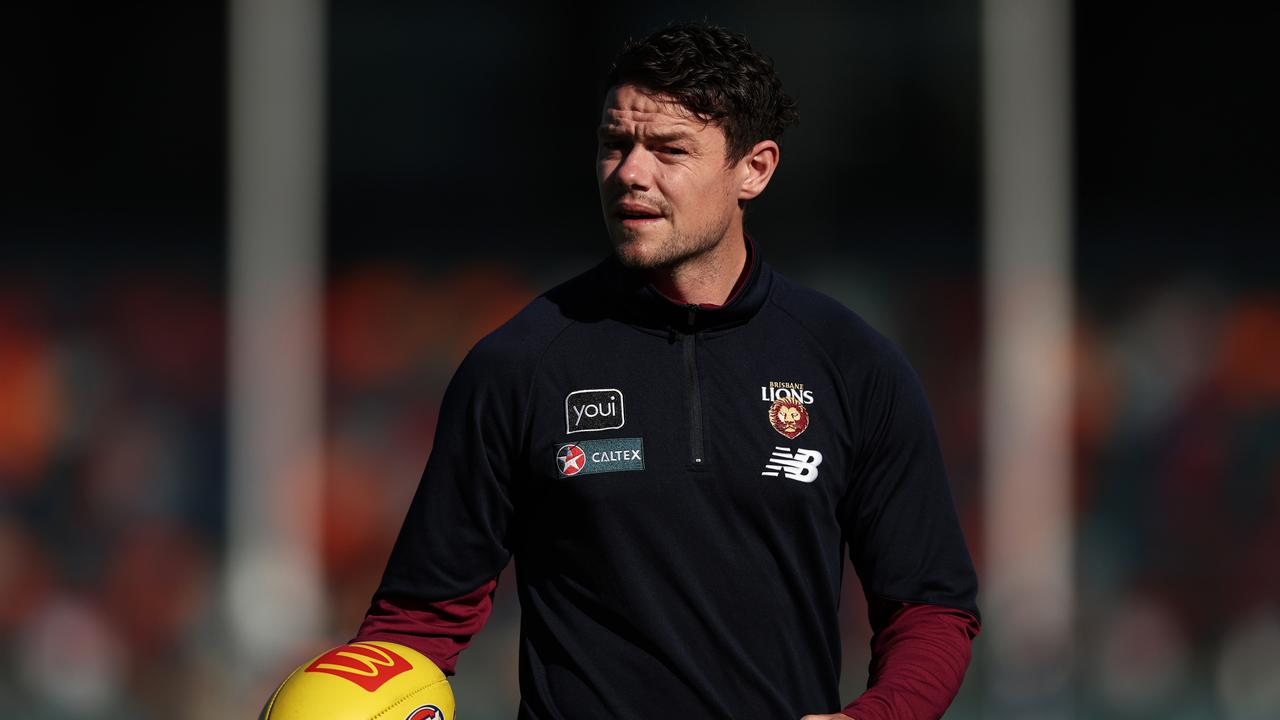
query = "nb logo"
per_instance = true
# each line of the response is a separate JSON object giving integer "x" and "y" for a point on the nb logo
{"x": 801, "y": 465}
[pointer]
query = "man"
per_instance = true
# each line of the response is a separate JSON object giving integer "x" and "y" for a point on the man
{"x": 677, "y": 445}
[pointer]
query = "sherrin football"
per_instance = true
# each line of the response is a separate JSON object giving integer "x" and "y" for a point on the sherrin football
{"x": 363, "y": 681}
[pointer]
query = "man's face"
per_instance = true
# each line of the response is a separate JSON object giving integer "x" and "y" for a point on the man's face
{"x": 665, "y": 187}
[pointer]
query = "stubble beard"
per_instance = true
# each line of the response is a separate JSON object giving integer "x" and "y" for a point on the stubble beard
{"x": 673, "y": 249}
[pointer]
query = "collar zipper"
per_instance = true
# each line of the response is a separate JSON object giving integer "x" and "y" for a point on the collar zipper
{"x": 692, "y": 390}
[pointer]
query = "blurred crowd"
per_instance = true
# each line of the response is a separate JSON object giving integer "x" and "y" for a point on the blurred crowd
{"x": 111, "y": 483}
{"x": 112, "y": 476}
{"x": 1178, "y": 487}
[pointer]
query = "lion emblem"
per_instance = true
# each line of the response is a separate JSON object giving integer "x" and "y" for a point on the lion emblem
{"x": 789, "y": 417}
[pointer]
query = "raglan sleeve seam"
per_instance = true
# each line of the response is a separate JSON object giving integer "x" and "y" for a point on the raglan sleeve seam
{"x": 826, "y": 354}
{"x": 532, "y": 381}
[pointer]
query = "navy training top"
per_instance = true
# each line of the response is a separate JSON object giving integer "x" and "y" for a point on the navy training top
{"x": 678, "y": 485}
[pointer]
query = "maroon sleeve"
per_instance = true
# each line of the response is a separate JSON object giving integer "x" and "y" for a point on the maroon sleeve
{"x": 441, "y": 630}
{"x": 918, "y": 657}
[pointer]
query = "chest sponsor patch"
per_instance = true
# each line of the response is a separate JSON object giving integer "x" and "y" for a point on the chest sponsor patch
{"x": 592, "y": 410}
{"x": 801, "y": 465}
{"x": 600, "y": 456}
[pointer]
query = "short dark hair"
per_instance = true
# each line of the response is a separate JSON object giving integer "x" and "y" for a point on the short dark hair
{"x": 715, "y": 74}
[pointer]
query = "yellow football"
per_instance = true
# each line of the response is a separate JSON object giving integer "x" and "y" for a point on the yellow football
{"x": 363, "y": 681}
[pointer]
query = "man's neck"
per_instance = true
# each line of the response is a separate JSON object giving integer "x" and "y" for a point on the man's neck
{"x": 707, "y": 279}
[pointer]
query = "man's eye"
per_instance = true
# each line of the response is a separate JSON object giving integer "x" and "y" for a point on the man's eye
{"x": 612, "y": 145}
{"x": 668, "y": 150}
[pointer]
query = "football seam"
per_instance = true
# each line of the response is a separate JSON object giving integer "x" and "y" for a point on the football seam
{"x": 404, "y": 697}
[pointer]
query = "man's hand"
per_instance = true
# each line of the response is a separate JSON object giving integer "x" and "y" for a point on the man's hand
{"x": 837, "y": 716}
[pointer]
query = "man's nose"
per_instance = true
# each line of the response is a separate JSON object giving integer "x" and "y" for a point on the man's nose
{"x": 635, "y": 170}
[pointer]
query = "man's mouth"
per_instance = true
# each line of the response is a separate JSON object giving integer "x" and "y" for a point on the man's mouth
{"x": 633, "y": 214}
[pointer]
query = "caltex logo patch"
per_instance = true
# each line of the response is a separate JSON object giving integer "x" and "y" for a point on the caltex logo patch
{"x": 571, "y": 460}
{"x": 587, "y": 457}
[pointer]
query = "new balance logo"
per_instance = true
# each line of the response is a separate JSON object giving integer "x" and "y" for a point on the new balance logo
{"x": 801, "y": 465}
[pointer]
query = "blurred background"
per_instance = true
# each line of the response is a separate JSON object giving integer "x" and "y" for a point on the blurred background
{"x": 231, "y": 295}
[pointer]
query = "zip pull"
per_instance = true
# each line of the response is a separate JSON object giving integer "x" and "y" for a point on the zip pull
{"x": 672, "y": 335}
{"x": 693, "y": 310}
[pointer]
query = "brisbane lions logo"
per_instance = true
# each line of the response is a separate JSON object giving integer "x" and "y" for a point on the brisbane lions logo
{"x": 789, "y": 417}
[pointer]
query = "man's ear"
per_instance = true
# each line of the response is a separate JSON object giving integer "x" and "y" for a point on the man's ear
{"x": 757, "y": 168}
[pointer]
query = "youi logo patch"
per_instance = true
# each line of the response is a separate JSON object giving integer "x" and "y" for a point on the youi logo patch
{"x": 592, "y": 410}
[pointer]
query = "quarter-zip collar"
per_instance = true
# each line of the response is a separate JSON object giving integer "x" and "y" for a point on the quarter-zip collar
{"x": 641, "y": 304}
